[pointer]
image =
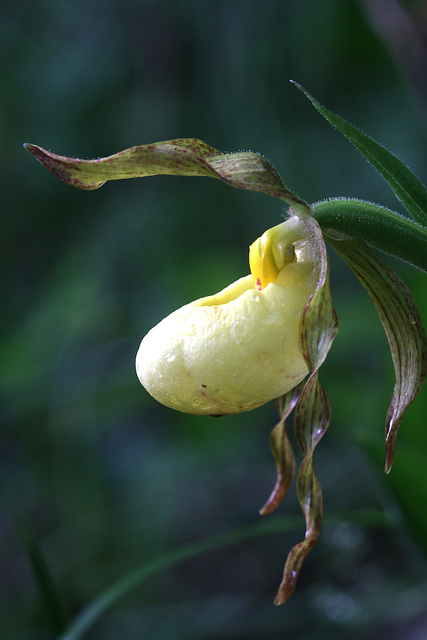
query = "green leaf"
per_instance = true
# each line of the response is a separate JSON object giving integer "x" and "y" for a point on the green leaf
{"x": 403, "y": 327}
{"x": 49, "y": 594}
{"x": 184, "y": 157}
{"x": 378, "y": 226}
{"x": 131, "y": 581}
{"x": 105, "y": 600}
{"x": 406, "y": 186}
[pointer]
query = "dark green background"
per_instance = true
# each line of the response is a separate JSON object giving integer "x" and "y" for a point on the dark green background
{"x": 93, "y": 470}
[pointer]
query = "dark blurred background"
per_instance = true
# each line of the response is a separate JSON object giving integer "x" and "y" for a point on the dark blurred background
{"x": 97, "y": 476}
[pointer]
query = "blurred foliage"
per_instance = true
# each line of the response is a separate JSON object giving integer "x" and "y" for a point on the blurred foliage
{"x": 94, "y": 474}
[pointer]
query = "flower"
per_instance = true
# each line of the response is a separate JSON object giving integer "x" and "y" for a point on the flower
{"x": 265, "y": 336}
{"x": 253, "y": 342}
{"x": 238, "y": 349}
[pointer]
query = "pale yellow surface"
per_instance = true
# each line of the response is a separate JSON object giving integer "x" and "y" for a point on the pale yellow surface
{"x": 240, "y": 348}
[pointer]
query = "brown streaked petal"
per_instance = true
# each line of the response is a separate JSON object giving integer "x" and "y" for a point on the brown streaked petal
{"x": 282, "y": 450}
{"x": 319, "y": 326}
{"x": 402, "y": 324}
{"x": 183, "y": 156}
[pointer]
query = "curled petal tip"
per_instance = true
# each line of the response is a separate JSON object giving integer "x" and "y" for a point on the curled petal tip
{"x": 38, "y": 152}
{"x": 72, "y": 171}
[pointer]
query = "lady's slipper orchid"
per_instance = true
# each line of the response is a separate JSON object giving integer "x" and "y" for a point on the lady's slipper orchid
{"x": 258, "y": 339}
{"x": 238, "y": 349}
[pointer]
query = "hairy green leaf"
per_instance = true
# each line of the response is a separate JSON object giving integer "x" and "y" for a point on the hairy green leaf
{"x": 406, "y": 186}
{"x": 379, "y": 227}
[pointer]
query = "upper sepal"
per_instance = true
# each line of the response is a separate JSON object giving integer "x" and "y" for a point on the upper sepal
{"x": 183, "y": 156}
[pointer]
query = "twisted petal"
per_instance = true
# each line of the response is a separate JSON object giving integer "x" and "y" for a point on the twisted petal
{"x": 318, "y": 328}
{"x": 402, "y": 324}
{"x": 183, "y": 156}
{"x": 282, "y": 450}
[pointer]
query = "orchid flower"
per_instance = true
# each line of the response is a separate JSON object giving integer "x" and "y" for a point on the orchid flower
{"x": 238, "y": 349}
{"x": 265, "y": 336}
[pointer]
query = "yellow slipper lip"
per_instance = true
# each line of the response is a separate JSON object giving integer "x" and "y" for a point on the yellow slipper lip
{"x": 240, "y": 348}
